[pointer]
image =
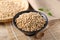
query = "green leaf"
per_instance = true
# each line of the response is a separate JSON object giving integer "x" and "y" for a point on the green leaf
{"x": 46, "y": 10}
{"x": 49, "y": 13}
{"x": 41, "y": 9}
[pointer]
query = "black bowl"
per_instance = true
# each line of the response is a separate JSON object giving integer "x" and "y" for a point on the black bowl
{"x": 29, "y": 33}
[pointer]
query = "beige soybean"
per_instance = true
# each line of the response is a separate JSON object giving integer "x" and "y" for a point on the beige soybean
{"x": 31, "y": 21}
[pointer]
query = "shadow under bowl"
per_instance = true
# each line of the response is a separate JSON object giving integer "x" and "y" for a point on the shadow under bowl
{"x": 30, "y": 33}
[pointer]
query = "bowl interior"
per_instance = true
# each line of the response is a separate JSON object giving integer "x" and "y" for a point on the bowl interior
{"x": 42, "y": 14}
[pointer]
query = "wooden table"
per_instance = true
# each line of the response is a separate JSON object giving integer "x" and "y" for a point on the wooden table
{"x": 9, "y": 32}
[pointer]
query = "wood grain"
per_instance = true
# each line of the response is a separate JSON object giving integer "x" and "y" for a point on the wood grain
{"x": 7, "y": 33}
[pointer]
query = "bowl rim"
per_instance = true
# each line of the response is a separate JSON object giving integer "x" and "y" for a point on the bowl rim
{"x": 19, "y": 13}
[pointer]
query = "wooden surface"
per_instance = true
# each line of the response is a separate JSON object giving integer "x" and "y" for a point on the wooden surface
{"x": 9, "y": 32}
